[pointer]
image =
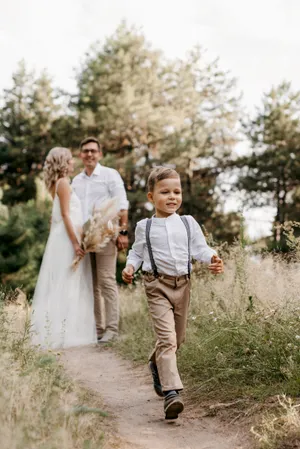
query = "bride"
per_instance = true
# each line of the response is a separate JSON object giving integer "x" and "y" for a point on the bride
{"x": 63, "y": 304}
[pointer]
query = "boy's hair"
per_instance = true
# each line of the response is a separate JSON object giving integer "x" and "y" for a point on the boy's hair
{"x": 88, "y": 140}
{"x": 158, "y": 174}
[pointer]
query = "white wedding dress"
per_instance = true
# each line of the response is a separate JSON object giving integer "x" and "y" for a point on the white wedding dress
{"x": 63, "y": 302}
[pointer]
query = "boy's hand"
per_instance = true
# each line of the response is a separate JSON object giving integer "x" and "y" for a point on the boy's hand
{"x": 216, "y": 266}
{"x": 127, "y": 274}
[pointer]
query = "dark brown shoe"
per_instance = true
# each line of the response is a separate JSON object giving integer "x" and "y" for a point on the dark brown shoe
{"x": 173, "y": 406}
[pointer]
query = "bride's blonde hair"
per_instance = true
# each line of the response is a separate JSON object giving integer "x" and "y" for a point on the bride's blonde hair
{"x": 56, "y": 165}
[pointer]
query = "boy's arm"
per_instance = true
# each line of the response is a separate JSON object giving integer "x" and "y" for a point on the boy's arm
{"x": 199, "y": 248}
{"x": 136, "y": 254}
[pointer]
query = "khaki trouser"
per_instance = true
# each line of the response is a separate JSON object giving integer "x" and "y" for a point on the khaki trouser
{"x": 106, "y": 296}
{"x": 168, "y": 299}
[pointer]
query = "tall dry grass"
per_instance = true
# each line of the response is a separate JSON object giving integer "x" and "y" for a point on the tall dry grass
{"x": 243, "y": 330}
{"x": 243, "y": 337}
{"x": 40, "y": 407}
{"x": 280, "y": 429}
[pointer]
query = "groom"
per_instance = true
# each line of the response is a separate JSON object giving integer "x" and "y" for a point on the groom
{"x": 94, "y": 185}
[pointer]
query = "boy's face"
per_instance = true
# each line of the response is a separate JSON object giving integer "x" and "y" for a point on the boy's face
{"x": 166, "y": 197}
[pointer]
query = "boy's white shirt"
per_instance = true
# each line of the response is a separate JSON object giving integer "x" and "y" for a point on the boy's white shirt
{"x": 104, "y": 183}
{"x": 169, "y": 242}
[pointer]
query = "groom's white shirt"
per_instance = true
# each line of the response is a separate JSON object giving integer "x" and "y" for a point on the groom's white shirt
{"x": 104, "y": 183}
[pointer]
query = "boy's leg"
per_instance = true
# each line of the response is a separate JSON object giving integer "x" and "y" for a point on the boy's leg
{"x": 181, "y": 298}
{"x": 164, "y": 356}
{"x": 173, "y": 404}
{"x": 181, "y": 308}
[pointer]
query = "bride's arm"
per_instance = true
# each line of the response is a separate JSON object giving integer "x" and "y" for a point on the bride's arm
{"x": 64, "y": 195}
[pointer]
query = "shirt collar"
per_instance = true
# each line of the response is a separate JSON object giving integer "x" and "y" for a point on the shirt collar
{"x": 172, "y": 217}
{"x": 96, "y": 171}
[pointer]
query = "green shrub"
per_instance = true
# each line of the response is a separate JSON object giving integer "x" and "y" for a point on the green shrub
{"x": 22, "y": 241}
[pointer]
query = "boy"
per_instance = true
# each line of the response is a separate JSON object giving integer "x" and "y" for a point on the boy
{"x": 165, "y": 245}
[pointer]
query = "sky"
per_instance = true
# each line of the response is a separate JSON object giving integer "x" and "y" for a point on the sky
{"x": 258, "y": 41}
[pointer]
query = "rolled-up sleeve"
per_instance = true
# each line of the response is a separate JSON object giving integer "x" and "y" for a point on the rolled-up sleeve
{"x": 117, "y": 188}
{"x": 136, "y": 254}
{"x": 199, "y": 248}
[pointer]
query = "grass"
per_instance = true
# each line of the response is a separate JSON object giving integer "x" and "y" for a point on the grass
{"x": 243, "y": 337}
{"x": 280, "y": 430}
{"x": 40, "y": 407}
{"x": 243, "y": 346}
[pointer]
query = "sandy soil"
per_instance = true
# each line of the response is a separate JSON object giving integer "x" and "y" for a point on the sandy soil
{"x": 138, "y": 413}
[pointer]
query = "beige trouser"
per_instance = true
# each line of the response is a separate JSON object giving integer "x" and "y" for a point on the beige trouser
{"x": 168, "y": 299}
{"x": 106, "y": 296}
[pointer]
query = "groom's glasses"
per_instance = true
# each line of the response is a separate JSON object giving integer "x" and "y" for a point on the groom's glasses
{"x": 86, "y": 151}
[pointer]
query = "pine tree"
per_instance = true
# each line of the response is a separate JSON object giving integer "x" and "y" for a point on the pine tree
{"x": 147, "y": 110}
{"x": 270, "y": 174}
{"x": 27, "y": 122}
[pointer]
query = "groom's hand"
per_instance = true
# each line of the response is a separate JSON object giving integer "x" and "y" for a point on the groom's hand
{"x": 127, "y": 274}
{"x": 122, "y": 242}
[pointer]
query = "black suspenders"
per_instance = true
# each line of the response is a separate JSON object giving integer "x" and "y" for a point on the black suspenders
{"x": 153, "y": 264}
{"x": 152, "y": 261}
{"x": 188, "y": 231}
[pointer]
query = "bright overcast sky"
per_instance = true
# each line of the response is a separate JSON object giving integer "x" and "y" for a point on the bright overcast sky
{"x": 258, "y": 41}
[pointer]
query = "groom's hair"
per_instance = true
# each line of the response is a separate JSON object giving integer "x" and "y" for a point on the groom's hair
{"x": 88, "y": 140}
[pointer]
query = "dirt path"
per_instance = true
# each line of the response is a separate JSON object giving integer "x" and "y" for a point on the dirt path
{"x": 128, "y": 395}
